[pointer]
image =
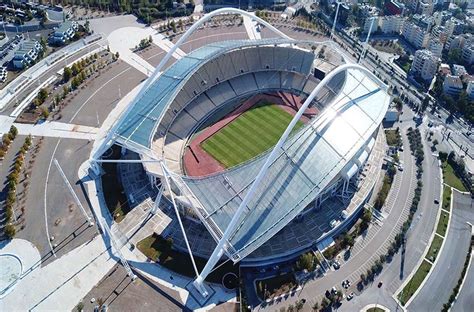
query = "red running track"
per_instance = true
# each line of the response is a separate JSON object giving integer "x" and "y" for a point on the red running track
{"x": 199, "y": 163}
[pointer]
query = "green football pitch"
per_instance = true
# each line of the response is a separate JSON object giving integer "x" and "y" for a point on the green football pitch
{"x": 249, "y": 135}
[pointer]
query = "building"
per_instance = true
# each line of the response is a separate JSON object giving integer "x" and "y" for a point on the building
{"x": 452, "y": 85}
{"x": 320, "y": 162}
{"x": 425, "y": 65}
{"x": 391, "y": 24}
{"x": 444, "y": 70}
{"x": 436, "y": 47}
{"x": 470, "y": 89}
{"x": 459, "y": 70}
{"x": 440, "y": 17}
{"x": 368, "y": 24}
{"x": 458, "y": 42}
{"x": 393, "y": 7}
{"x": 426, "y": 22}
{"x": 64, "y": 33}
{"x": 454, "y": 26}
{"x": 426, "y": 7}
{"x": 415, "y": 35}
{"x": 440, "y": 33}
{"x": 26, "y": 54}
{"x": 468, "y": 53}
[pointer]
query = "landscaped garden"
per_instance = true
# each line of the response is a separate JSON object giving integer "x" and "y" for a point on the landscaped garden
{"x": 443, "y": 223}
{"x": 434, "y": 248}
{"x": 393, "y": 137}
{"x": 450, "y": 177}
{"x": 275, "y": 286}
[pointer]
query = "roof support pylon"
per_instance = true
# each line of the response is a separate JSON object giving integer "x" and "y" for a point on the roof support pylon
{"x": 219, "y": 250}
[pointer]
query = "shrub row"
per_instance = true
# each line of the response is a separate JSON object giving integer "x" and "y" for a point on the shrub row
{"x": 7, "y": 140}
{"x": 12, "y": 181}
{"x": 387, "y": 184}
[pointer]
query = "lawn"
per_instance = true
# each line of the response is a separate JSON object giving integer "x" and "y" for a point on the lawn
{"x": 276, "y": 285}
{"x": 434, "y": 248}
{"x": 442, "y": 223}
{"x": 375, "y": 309}
{"x": 450, "y": 177}
{"x": 160, "y": 250}
{"x": 447, "y": 197}
{"x": 249, "y": 135}
{"x": 415, "y": 282}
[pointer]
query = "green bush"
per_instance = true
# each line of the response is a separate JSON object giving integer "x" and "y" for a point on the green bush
{"x": 10, "y": 231}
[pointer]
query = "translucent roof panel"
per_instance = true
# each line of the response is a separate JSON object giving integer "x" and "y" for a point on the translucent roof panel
{"x": 307, "y": 163}
{"x": 137, "y": 126}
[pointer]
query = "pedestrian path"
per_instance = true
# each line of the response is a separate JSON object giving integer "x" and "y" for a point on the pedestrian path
{"x": 5, "y": 123}
{"x": 251, "y": 28}
{"x": 124, "y": 40}
{"x": 166, "y": 45}
{"x": 57, "y": 130}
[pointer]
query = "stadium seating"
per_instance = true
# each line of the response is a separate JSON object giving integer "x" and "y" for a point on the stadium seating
{"x": 243, "y": 84}
{"x": 220, "y": 81}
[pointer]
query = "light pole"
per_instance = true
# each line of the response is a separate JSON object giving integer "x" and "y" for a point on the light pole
{"x": 335, "y": 19}
{"x": 367, "y": 39}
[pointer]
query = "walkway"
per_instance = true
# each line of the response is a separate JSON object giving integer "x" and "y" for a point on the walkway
{"x": 123, "y": 40}
{"x": 166, "y": 45}
{"x": 57, "y": 130}
{"x": 251, "y": 28}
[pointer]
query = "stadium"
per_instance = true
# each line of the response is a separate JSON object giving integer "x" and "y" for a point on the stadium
{"x": 265, "y": 149}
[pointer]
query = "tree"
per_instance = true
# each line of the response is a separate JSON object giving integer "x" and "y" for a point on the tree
{"x": 299, "y": 305}
{"x": 45, "y": 113}
{"x": 67, "y": 73}
{"x": 13, "y": 131}
{"x": 10, "y": 230}
{"x": 42, "y": 95}
{"x": 306, "y": 262}
{"x": 325, "y": 303}
{"x": 348, "y": 240}
{"x": 80, "y": 307}
{"x": 316, "y": 306}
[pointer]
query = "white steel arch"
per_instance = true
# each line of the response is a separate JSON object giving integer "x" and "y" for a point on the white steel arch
{"x": 108, "y": 141}
{"x": 219, "y": 250}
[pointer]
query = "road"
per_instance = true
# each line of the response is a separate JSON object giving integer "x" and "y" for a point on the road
{"x": 444, "y": 277}
{"x": 397, "y": 271}
{"x": 465, "y": 300}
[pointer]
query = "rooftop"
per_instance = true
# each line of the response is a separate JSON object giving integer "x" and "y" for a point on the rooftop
{"x": 308, "y": 162}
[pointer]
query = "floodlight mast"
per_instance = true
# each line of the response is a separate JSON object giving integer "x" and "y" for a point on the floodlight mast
{"x": 222, "y": 244}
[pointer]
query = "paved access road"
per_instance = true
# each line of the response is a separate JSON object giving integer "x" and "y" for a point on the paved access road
{"x": 445, "y": 275}
{"x": 465, "y": 300}
{"x": 397, "y": 271}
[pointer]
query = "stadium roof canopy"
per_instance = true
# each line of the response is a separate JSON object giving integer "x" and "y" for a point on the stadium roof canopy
{"x": 306, "y": 164}
{"x": 137, "y": 127}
